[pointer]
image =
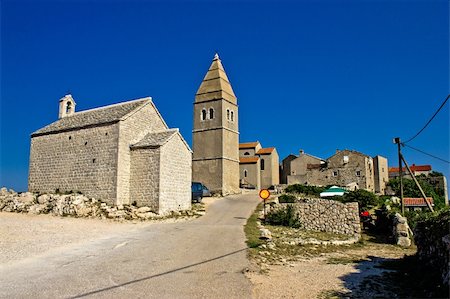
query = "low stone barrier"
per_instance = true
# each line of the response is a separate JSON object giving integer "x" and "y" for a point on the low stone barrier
{"x": 327, "y": 216}
{"x": 76, "y": 205}
{"x": 400, "y": 230}
{"x": 432, "y": 238}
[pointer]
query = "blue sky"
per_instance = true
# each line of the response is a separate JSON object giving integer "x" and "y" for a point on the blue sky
{"x": 312, "y": 75}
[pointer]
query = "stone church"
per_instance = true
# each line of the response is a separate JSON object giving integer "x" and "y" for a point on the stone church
{"x": 121, "y": 153}
{"x": 215, "y": 139}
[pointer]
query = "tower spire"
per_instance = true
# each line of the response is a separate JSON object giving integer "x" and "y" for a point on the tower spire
{"x": 215, "y": 85}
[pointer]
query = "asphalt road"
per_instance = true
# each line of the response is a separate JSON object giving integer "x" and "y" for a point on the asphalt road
{"x": 202, "y": 258}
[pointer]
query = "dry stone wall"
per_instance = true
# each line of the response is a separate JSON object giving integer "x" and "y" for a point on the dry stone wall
{"x": 328, "y": 216}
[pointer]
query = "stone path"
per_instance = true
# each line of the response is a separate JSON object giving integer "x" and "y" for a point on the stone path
{"x": 203, "y": 258}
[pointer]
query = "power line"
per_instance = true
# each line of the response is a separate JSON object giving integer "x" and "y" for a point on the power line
{"x": 442, "y": 105}
{"x": 420, "y": 151}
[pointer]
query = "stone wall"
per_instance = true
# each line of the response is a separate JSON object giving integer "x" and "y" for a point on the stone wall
{"x": 432, "y": 238}
{"x": 253, "y": 177}
{"x": 400, "y": 231}
{"x": 132, "y": 129}
{"x": 144, "y": 184}
{"x": 83, "y": 160}
{"x": 328, "y": 216}
{"x": 175, "y": 176}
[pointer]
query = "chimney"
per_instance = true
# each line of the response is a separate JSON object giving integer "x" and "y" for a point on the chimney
{"x": 302, "y": 152}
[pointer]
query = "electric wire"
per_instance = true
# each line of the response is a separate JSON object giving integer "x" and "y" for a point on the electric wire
{"x": 434, "y": 115}
{"x": 420, "y": 151}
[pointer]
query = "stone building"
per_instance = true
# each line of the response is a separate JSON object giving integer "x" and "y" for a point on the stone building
{"x": 259, "y": 167}
{"x": 121, "y": 153}
{"x": 381, "y": 175}
{"x": 215, "y": 139}
{"x": 346, "y": 168}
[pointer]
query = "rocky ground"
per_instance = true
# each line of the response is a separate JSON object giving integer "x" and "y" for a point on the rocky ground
{"x": 282, "y": 270}
{"x": 78, "y": 205}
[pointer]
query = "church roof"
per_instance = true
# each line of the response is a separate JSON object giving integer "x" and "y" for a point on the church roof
{"x": 155, "y": 139}
{"x": 247, "y": 160}
{"x": 265, "y": 151}
{"x": 248, "y": 145}
{"x": 215, "y": 85}
{"x": 93, "y": 117}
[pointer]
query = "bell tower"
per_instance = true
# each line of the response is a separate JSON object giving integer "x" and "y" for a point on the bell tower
{"x": 215, "y": 139}
{"x": 66, "y": 106}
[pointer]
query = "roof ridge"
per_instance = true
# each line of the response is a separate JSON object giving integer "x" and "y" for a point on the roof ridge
{"x": 112, "y": 105}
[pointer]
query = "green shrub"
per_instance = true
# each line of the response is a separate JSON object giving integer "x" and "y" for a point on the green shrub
{"x": 287, "y": 198}
{"x": 285, "y": 216}
{"x": 410, "y": 190}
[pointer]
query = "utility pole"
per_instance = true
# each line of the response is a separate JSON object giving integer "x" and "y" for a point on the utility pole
{"x": 400, "y": 171}
{"x": 418, "y": 185}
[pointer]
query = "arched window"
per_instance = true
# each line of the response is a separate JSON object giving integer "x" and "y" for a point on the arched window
{"x": 232, "y": 116}
{"x": 211, "y": 113}
{"x": 228, "y": 114}
{"x": 246, "y": 154}
{"x": 245, "y": 173}
{"x": 203, "y": 114}
{"x": 68, "y": 107}
{"x": 262, "y": 164}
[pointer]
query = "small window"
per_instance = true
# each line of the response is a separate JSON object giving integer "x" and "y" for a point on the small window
{"x": 106, "y": 134}
{"x": 262, "y": 164}
{"x": 93, "y": 160}
{"x": 68, "y": 107}
{"x": 346, "y": 159}
{"x": 70, "y": 137}
{"x": 85, "y": 143}
{"x": 245, "y": 173}
{"x": 246, "y": 154}
{"x": 203, "y": 117}
{"x": 358, "y": 173}
{"x": 335, "y": 173}
{"x": 232, "y": 116}
{"x": 382, "y": 169}
{"x": 211, "y": 113}
{"x": 228, "y": 114}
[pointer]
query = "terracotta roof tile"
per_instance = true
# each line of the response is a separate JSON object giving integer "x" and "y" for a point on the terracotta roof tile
{"x": 263, "y": 151}
{"x": 248, "y": 145}
{"x": 247, "y": 160}
{"x": 416, "y": 202}
{"x": 413, "y": 168}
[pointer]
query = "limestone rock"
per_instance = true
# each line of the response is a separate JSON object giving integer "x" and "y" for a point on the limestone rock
{"x": 143, "y": 210}
{"x": 265, "y": 234}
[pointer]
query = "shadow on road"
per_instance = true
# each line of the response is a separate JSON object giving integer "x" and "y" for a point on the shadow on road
{"x": 156, "y": 275}
{"x": 380, "y": 277}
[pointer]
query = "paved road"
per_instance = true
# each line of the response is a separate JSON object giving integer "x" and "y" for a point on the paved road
{"x": 203, "y": 258}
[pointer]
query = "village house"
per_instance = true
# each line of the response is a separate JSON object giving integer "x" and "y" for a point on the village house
{"x": 123, "y": 154}
{"x": 346, "y": 168}
{"x": 258, "y": 167}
